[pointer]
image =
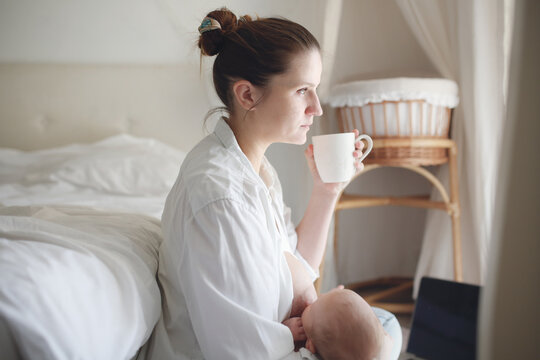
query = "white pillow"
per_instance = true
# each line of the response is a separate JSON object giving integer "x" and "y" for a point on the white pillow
{"x": 123, "y": 165}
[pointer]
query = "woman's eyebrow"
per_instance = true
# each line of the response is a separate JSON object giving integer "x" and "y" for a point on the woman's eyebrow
{"x": 304, "y": 83}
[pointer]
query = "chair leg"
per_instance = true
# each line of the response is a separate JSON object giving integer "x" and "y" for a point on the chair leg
{"x": 390, "y": 293}
{"x": 455, "y": 213}
{"x": 456, "y": 242}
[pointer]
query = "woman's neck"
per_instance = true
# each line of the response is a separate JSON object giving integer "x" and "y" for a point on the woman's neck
{"x": 251, "y": 144}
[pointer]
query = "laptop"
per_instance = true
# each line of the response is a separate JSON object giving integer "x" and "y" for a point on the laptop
{"x": 444, "y": 321}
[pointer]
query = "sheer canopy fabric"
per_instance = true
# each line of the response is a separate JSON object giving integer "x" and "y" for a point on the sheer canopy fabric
{"x": 464, "y": 40}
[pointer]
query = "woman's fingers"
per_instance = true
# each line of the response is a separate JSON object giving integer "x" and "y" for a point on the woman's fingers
{"x": 311, "y": 161}
{"x": 357, "y": 163}
{"x": 309, "y": 151}
{"x": 359, "y": 145}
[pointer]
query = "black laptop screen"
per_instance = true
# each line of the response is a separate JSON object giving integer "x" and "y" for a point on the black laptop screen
{"x": 445, "y": 321}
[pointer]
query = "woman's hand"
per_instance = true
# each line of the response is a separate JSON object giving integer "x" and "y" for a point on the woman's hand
{"x": 333, "y": 188}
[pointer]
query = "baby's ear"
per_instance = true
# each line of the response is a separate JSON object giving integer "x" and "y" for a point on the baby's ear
{"x": 310, "y": 346}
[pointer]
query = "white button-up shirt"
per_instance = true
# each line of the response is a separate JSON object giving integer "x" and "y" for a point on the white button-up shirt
{"x": 225, "y": 283}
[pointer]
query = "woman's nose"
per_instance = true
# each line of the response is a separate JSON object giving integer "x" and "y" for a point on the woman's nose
{"x": 314, "y": 108}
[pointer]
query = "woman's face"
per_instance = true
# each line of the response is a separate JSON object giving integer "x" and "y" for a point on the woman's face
{"x": 290, "y": 101}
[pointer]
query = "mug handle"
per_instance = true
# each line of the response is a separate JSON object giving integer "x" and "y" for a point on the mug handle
{"x": 365, "y": 152}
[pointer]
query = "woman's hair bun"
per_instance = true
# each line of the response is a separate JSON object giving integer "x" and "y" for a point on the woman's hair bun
{"x": 213, "y": 30}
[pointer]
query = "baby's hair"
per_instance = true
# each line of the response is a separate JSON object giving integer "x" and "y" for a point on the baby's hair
{"x": 252, "y": 50}
{"x": 352, "y": 330}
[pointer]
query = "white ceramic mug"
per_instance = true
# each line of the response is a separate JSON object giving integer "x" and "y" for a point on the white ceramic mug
{"x": 334, "y": 155}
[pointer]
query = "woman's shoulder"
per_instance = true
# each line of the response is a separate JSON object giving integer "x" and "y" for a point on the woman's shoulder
{"x": 212, "y": 172}
{"x": 210, "y": 161}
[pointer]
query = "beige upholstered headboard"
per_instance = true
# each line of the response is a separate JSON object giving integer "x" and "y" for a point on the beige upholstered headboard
{"x": 47, "y": 105}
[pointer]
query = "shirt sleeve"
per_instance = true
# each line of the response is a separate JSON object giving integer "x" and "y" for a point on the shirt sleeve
{"x": 229, "y": 275}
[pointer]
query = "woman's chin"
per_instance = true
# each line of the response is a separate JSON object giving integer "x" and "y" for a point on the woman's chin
{"x": 300, "y": 140}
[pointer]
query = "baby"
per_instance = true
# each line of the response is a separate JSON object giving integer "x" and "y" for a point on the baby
{"x": 339, "y": 324}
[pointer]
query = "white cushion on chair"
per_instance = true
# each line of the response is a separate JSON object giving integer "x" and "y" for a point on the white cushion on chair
{"x": 440, "y": 92}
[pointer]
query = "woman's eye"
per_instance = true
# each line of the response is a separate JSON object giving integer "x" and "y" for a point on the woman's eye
{"x": 302, "y": 91}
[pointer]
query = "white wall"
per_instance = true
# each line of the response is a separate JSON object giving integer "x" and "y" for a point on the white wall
{"x": 101, "y": 31}
{"x": 121, "y": 31}
{"x": 126, "y": 31}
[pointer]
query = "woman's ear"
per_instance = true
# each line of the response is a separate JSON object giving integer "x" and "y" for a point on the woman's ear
{"x": 246, "y": 94}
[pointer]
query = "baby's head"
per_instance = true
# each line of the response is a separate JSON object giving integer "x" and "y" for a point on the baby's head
{"x": 342, "y": 325}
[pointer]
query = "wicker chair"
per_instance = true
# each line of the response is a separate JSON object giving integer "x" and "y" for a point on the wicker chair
{"x": 409, "y": 120}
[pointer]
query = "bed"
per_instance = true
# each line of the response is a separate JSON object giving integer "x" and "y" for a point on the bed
{"x": 86, "y": 162}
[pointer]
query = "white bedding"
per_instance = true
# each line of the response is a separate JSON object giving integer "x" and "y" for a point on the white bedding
{"x": 79, "y": 239}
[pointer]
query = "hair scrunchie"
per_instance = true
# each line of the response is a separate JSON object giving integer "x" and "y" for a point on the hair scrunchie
{"x": 209, "y": 24}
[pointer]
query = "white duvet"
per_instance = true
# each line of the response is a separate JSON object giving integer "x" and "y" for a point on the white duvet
{"x": 79, "y": 239}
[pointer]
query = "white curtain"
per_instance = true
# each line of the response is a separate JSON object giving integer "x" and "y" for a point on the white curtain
{"x": 464, "y": 40}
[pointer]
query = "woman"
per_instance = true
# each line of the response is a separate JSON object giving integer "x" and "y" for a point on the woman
{"x": 225, "y": 282}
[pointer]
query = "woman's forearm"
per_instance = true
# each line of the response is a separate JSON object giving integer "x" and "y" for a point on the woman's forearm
{"x": 312, "y": 231}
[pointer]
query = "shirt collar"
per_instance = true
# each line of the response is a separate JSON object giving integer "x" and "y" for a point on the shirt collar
{"x": 225, "y": 134}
